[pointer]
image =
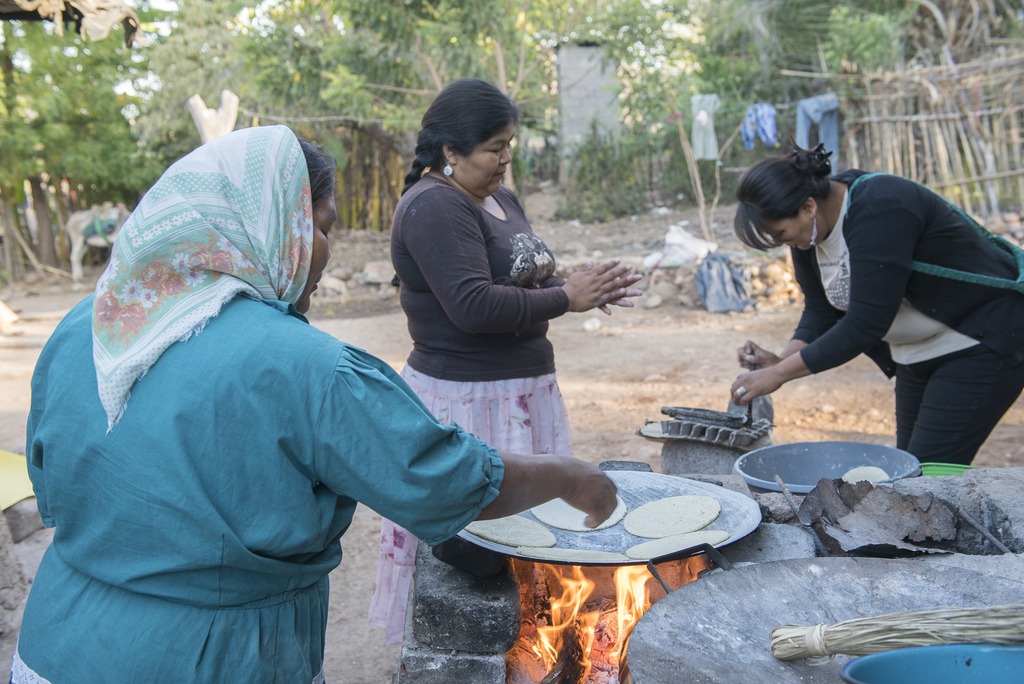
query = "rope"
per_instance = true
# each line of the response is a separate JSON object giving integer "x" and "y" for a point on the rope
{"x": 816, "y": 642}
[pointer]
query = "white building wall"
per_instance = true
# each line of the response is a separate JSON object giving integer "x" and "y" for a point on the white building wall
{"x": 588, "y": 92}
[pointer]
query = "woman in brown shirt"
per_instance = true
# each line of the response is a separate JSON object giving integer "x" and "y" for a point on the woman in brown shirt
{"x": 478, "y": 288}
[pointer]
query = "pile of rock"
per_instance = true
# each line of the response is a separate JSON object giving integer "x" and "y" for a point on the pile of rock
{"x": 343, "y": 283}
{"x": 770, "y": 281}
{"x": 677, "y": 285}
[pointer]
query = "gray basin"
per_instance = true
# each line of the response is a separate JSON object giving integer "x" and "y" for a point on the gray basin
{"x": 802, "y": 464}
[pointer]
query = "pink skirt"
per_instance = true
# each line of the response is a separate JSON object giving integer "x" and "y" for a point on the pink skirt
{"x": 519, "y": 416}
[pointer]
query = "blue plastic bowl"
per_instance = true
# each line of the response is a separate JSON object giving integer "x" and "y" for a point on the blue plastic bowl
{"x": 802, "y": 464}
{"x": 945, "y": 664}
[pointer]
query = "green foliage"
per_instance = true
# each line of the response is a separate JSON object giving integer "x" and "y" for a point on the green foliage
{"x": 406, "y": 51}
{"x": 623, "y": 176}
{"x": 62, "y": 116}
{"x": 17, "y": 147}
{"x": 863, "y": 41}
{"x": 644, "y": 165}
{"x": 202, "y": 55}
{"x": 356, "y": 75}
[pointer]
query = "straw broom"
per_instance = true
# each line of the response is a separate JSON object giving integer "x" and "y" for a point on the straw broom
{"x": 861, "y": 636}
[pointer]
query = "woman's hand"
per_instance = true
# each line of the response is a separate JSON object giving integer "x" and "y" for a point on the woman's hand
{"x": 755, "y": 384}
{"x": 769, "y": 371}
{"x": 533, "y": 479}
{"x": 609, "y": 284}
{"x": 593, "y": 494}
{"x": 752, "y": 356}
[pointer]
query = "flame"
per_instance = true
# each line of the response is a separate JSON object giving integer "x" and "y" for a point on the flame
{"x": 632, "y": 600}
{"x": 565, "y": 612}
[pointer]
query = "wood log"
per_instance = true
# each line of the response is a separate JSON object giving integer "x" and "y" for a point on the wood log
{"x": 867, "y": 520}
{"x": 572, "y": 666}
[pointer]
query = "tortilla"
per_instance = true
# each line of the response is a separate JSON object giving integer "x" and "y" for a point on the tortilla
{"x": 565, "y": 555}
{"x": 671, "y": 516}
{"x": 862, "y": 473}
{"x": 557, "y": 513}
{"x": 677, "y": 542}
{"x": 513, "y": 530}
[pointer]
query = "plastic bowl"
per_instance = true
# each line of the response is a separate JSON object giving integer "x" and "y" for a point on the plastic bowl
{"x": 802, "y": 464}
{"x": 943, "y": 469}
{"x": 942, "y": 664}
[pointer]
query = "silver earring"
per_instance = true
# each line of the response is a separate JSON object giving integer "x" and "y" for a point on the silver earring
{"x": 814, "y": 230}
{"x": 447, "y": 170}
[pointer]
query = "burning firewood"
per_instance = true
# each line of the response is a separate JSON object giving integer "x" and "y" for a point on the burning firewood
{"x": 572, "y": 666}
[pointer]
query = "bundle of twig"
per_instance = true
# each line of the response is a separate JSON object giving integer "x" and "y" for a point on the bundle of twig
{"x": 860, "y": 636}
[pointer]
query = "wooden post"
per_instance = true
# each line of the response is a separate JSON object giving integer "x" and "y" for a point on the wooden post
{"x": 695, "y": 181}
{"x": 213, "y": 123}
{"x": 11, "y": 265}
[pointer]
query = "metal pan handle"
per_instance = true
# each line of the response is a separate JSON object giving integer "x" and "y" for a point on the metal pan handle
{"x": 714, "y": 554}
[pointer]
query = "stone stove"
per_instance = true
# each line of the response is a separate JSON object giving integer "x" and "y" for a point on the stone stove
{"x": 463, "y": 623}
{"x": 462, "y": 627}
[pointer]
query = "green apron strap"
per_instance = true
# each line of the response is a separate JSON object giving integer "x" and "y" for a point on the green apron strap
{"x": 1015, "y": 253}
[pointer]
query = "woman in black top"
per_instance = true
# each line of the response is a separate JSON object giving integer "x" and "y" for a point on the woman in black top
{"x": 478, "y": 288}
{"x": 874, "y": 255}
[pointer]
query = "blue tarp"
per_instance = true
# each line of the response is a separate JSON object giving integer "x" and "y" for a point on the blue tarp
{"x": 720, "y": 285}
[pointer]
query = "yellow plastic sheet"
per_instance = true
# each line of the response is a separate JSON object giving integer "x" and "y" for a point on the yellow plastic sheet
{"x": 14, "y": 482}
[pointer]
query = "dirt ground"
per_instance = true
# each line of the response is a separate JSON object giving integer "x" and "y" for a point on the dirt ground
{"x": 615, "y": 376}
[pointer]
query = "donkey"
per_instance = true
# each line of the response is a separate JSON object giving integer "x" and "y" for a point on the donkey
{"x": 94, "y": 227}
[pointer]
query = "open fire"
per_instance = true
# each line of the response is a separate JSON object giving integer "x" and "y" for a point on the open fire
{"x": 482, "y": 626}
{"x": 577, "y": 619}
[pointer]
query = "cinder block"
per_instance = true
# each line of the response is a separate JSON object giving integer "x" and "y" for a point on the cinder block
{"x": 687, "y": 456}
{"x": 418, "y": 666}
{"x": 453, "y": 610}
{"x": 23, "y": 519}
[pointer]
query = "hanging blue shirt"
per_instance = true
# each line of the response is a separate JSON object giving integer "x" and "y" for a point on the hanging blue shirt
{"x": 759, "y": 122}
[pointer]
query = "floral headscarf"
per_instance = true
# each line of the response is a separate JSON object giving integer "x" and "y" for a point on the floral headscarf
{"x": 233, "y": 217}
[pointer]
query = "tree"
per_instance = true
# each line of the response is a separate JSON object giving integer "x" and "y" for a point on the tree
{"x": 361, "y": 73}
{"x": 16, "y": 148}
{"x": 203, "y": 53}
{"x": 63, "y": 120}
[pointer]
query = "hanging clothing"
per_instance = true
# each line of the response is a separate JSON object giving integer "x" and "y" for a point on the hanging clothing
{"x": 702, "y": 133}
{"x": 822, "y": 110}
{"x": 759, "y": 122}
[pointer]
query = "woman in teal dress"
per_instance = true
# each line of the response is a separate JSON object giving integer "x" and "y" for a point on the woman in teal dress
{"x": 200, "y": 449}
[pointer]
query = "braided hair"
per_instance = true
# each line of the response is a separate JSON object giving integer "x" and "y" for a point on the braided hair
{"x": 464, "y": 114}
{"x": 775, "y": 188}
